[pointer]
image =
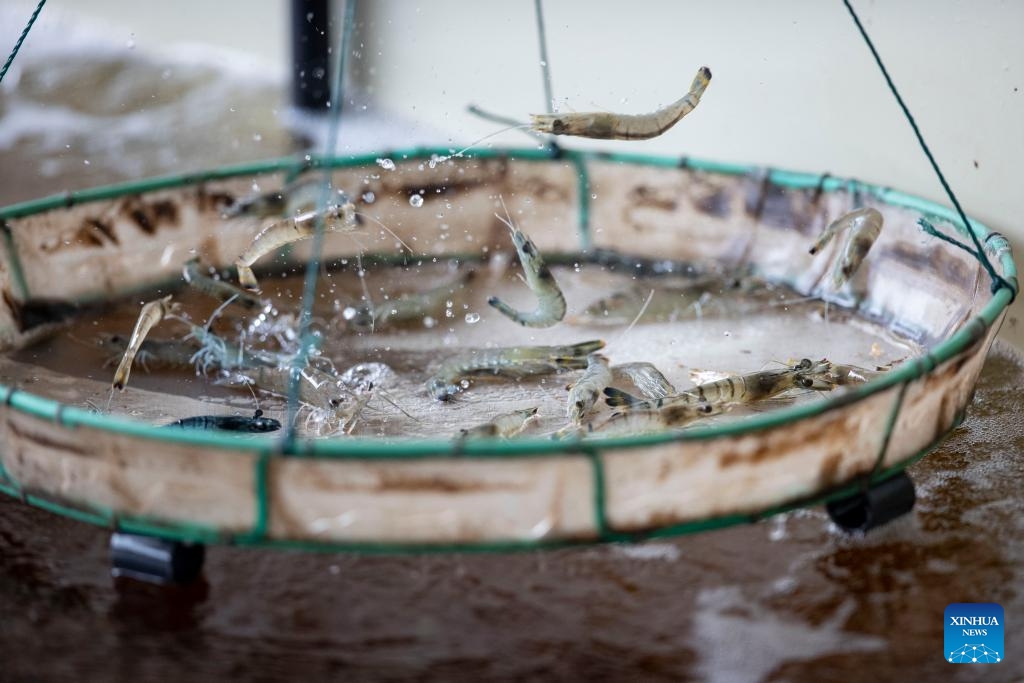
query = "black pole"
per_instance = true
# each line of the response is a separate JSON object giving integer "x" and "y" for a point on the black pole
{"x": 311, "y": 83}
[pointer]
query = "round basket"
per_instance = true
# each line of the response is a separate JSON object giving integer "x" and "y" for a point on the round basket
{"x": 433, "y": 493}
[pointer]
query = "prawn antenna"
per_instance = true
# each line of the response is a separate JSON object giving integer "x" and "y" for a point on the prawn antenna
{"x": 477, "y": 142}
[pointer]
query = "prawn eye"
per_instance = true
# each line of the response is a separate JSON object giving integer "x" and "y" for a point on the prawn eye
{"x": 806, "y": 382}
{"x": 558, "y": 126}
{"x": 706, "y": 408}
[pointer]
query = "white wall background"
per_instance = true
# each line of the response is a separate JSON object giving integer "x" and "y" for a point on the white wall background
{"x": 794, "y": 86}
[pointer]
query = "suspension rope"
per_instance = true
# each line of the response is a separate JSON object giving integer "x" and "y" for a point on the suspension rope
{"x": 545, "y": 65}
{"x": 21, "y": 39}
{"x": 998, "y": 282}
{"x": 313, "y": 266}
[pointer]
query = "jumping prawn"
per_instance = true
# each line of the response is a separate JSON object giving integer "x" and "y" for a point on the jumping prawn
{"x": 219, "y": 289}
{"x": 339, "y": 218}
{"x": 550, "y": 300}
{"x": 864, "y": 225}
{"x": 150, "y": 315}
{"x": 608, "y": 126}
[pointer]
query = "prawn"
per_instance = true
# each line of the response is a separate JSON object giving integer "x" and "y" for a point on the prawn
{"x": 865, "y": 225}
{"x": 409, "y": 308}
{"x": 608, "y": 126}
{"x": 338, "y": 218}
{"x": 218, "y": 289}
{"x": 150, "y": 315}
{"x": 585, "y": 391}
{"x": 646, "y": 378}
{"x": 299, "y": 196}
{"x": 502, "y": 426}
{"x": 216, "y": 352}
{"x": 513, "y": 361}
{"x": 706, "y": 297}
{"x": 159, "y": 353}
{"x": 550, "y": 300}
{"x": 754, "y": 386}
{"x": 638, "y": 421}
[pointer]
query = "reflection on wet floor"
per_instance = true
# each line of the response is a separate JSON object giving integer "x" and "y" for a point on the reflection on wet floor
{"x": 789, "y": 599}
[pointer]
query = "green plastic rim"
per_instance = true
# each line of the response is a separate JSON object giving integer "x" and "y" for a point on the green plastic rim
{"x": 355, "y": 448}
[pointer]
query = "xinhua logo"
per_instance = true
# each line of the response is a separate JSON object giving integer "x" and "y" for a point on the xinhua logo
{"x": 974, "y": 633}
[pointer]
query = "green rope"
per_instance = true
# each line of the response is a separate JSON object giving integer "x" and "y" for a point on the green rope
{"x": 890, "y": 427}
{"x": 313, "y": 267}
{"x": 21, "y": 39}
{"x": 934, "y": 232}
{"x": 545, "y": 65}
{"x": 998, "y": 282}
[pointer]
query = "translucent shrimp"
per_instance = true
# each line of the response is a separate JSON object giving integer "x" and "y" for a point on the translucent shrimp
{"x": 639, "y": 421}
{"x": 865, "y": 225}
{"x": 646, "y": 378}
{"x": 332, "y": 406}
{"x": 216, "y": 353}
{"x": 152, "y": 353}
{"x": 219, "y": 289}
{"x": 586, "y": 391}
{"x": 517, "y": 361}
{"x": 299, "y": 196}
{"x": 502, "y": 426}
{"x": 608, "y": 126}
{"x": 704, "y": 298}
{"x": 409, "y": 308}
{"x": 150, "y": 315}
{"x": 339, "y": 218}
{"x": 747, "y": 388}
{"x": 550, "y": 300}
{"x": 843, "y": 375}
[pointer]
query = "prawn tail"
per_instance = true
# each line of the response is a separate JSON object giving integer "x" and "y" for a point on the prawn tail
{"x": 616, "y": 398}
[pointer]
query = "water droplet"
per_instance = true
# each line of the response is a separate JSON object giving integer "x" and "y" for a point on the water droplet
{"x": 386, "y": 164}
{"x": 472, "y": 318}
{"x": 416, "y": 201}
{"x": 369, "y": 197}
{"x": 428, "y": 322}
{"x": 464, "y": 384}
{"x": 593, "y": 196}
{"x": 257, "y": 137}
{"x": 86, "y": 161}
